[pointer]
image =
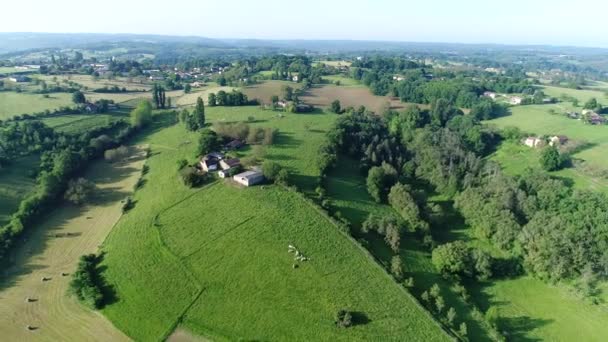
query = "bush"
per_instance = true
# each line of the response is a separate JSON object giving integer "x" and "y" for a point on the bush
{"x": 86, "y": 283}
{"x": 192, "y": 178}
{"x": 79, "y": 191}
{"x": 271, "y": 170}
{"x": 182, "y": 163}
{"x": 117, "y": 154}
{"x": 397, "y": 267}
{"x": 344, "y": 319}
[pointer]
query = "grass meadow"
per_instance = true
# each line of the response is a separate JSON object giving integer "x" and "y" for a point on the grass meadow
{"x": 215, "y": 258}
{"x": 583, "y": 95}
{"x": 536, "y": 119}
{"x": 12, "y": 103}
{"x": 15, "y": 184}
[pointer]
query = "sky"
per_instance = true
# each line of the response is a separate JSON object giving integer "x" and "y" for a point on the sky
{"x": 553, "y": 22}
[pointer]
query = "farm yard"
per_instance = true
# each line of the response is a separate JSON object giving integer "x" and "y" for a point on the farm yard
{"x": 53, "y": 249}
{"x": 173, "y": 269}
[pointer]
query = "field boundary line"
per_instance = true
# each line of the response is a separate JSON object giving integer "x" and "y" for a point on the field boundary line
{"x": 180, "y": 318}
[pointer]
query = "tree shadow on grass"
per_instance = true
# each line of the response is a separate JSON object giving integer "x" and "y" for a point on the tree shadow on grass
{"x": 359, "y": 318}
{"x": 517, "y": 328}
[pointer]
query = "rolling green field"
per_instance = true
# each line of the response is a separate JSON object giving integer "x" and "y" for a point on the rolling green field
{"x": 344, "y": 81}
{"x": 77, "y": 123}
{"x": 582, "y": 95}
{"x": 216, "y": 260}
{"x": 537, "y": 120}
{"x": 15, "y": 183}
{"x": 12, "y": 103}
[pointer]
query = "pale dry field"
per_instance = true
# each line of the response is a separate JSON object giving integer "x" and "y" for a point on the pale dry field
{"x": 55, "y": 315}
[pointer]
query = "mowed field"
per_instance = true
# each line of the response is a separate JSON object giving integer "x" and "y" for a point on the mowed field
{"x": 266, "y": 89}
{"x": 355, "y": 96}
{"x": 12, "y": 103}
{"x": 15, "y": 184}
{"x": 47, "y": 251}
{"x": 215, "y": 258}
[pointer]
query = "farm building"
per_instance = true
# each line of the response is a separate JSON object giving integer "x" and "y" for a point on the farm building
{"x": 234, "y": 145}
{"x": 533, "y": 142}
{"x": 18, "y": 79}
{"x": 209, "y": 164}
{"x": 227, "y": 164}
{"x": 90, "y": 108}
{"x": 515, "y": 100}
{"x": 249, "y": 178}
{"x": 490, "y": 94}
{"x": 558, "y": 140}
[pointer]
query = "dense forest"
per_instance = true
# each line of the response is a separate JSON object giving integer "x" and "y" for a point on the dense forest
{"x": 539, "y": 224}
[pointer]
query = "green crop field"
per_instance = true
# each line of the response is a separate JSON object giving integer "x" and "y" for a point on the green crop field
{"x": 15, "y": 183}
{"x": 344, "y": 81}
{"x": 12, "y": 103}
{"x": 582, "y": 95}
{"x": 216, "y": 260}
{"x": 78, "y": 123}
{"x": 537, "y": 120}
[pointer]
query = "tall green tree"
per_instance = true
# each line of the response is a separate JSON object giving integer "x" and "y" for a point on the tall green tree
{"x": 141, "y": 115}
{"x": 550, "y": 159}
{"x": 199, "y": 114}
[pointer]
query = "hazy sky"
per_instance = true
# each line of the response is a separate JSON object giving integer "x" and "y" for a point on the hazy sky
{"x": 558, "y": 22}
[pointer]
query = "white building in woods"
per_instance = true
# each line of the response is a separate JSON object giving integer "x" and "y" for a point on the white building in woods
{"x": 249, "y": 178}
{"x": 490, "y": 94}
{"x": 558, "y": 140}
{"x": 515, "y": 100}
{"x": 533, "y": 142}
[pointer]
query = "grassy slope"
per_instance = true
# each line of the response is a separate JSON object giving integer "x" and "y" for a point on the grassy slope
{"x": 346, "y": 187}
{"x": 529, "y": 304}
{"x": 246, "y": 288}
{"x": 582, "y": 95}
{"x": 12, "y": 103}
{"x": 537, "y": 120}
{"x": 15, "y": 184}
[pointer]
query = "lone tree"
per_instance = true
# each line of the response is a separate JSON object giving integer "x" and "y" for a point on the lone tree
{"x": 141, "y": 115}
{"x": 78, "y": 97}
{"x": 336, "y": 107}
{"x": 550, "y": 159}
{"x": 159, "y": 96}
{"x": 199, "y": 114}
{"x": 207, "y": 142}
{"x": 79, "y": 191}
{"x": 344, "y": 319}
